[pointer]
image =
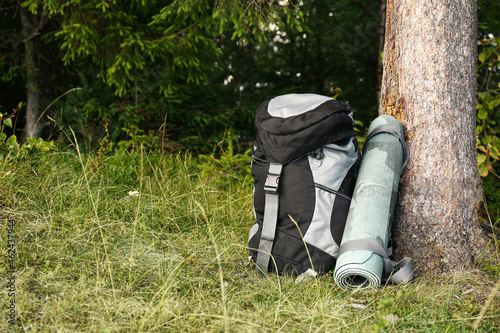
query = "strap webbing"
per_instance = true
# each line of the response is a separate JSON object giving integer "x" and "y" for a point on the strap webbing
{"x": 390, "y": 130}
{"x": 394, "y": 272}
{"x": 270, "y": 217}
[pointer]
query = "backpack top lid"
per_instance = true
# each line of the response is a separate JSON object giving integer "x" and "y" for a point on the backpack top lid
{"x": 290, "y": 105}
{"x": 291, "y": 125}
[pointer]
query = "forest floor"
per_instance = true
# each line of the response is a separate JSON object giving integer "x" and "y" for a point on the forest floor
{"x": 145, "y": 242}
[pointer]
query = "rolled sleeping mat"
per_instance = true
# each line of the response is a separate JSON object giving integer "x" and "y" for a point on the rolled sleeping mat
{"x": 363, "y": 256}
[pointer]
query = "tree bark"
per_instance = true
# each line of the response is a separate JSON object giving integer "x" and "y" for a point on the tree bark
{"x": 428, "y": 83}
{"x": 34, "y": 126}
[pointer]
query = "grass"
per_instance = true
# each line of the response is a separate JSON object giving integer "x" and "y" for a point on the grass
{"x": 94, "y": 257}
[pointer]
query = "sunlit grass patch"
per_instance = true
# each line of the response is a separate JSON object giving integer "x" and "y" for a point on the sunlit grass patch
{"x": 154, "y": 243}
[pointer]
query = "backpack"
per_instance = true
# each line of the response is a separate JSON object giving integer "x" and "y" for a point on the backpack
{"x": 304, "y": 164}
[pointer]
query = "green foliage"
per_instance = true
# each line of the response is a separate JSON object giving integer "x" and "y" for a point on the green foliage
{"x": 199, "y": 68}
{"x": 9, "y": 146}
{"x": 139, "y": 140}
{"x": 229, "y": 162}
{"x": 117, "y": 38}
{"x": 487, "y": 105}
{"x": 140, "y": 63}
{"x": 10, "y": 46}
{"x": 488, "y": 16}
{"x": 127, "y": 38}
{"x": 204, "y": 66}
{"x": 326, "y": 53}
{"x": 488, "y": 102}
{"x": 491, "y": 188}
{"x": 361, "y": 133}
{"x": 5, "y": 121}
{"x": 385, "y": 317}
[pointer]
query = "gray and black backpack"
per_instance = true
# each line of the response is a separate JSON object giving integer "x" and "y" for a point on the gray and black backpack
{"x": 304, "y": 164}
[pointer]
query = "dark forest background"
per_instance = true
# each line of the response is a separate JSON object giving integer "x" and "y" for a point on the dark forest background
{"x": 188, "y": 71}
{"x": 185, "y": 75}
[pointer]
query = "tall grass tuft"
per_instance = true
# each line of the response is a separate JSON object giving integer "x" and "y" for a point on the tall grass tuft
{"x": 145, "y": 242}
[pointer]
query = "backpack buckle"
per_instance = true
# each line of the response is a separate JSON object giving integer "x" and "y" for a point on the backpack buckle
{"x": 273, "y": 178}
{"x": 272, "y": 182}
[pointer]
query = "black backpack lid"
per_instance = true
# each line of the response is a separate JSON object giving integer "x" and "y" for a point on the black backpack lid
{"x": 291, "y": 125}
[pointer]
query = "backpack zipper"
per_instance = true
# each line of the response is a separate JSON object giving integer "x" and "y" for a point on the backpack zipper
{"x": 327, "y": 189}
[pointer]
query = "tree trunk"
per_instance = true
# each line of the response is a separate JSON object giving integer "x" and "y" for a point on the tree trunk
{"x": 34, "y": 126}
{"x": 428, "y": 83}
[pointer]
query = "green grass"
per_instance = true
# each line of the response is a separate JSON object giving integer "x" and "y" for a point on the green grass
{"x": 92, "y": 258}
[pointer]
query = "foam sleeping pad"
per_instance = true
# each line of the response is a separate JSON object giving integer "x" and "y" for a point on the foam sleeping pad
{"x": 372, "y": 206}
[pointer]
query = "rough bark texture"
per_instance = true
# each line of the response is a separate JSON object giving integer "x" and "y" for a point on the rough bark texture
{"x": 429, "y": 84}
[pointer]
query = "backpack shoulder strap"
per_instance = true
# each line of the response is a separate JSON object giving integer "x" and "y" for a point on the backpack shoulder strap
{"x": 270, "y": 217}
